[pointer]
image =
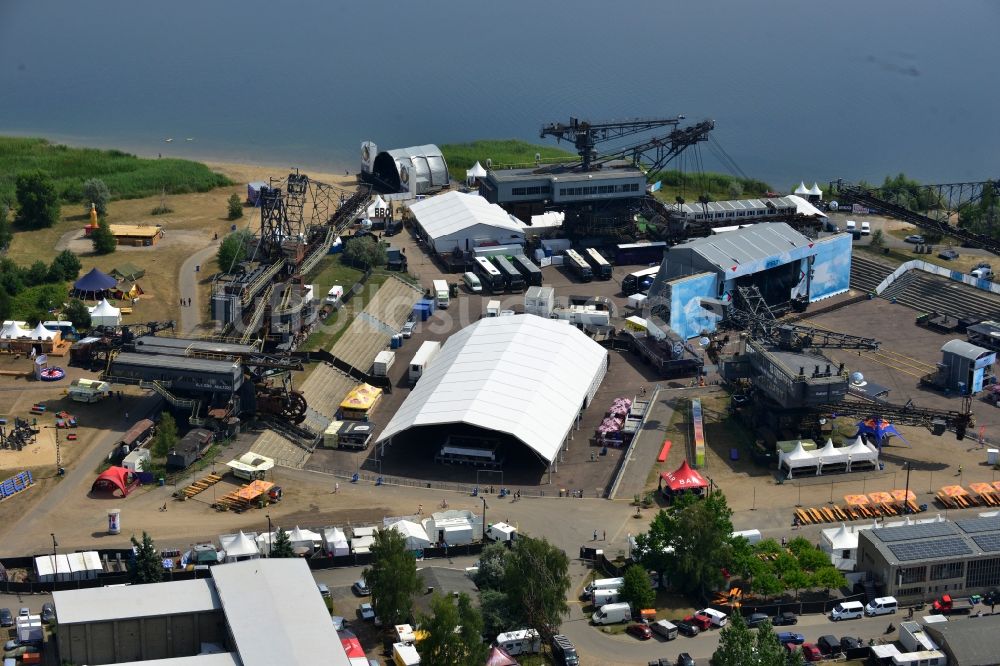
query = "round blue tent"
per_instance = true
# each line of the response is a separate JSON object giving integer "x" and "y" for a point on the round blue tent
{"x": 93, "y": 284}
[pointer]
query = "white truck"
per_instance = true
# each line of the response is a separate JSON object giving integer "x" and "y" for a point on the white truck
{"x": 603, "y": 584}
{"x": 441, "y": 294}
{"x": 422, "y": 359}
{"x": 501, "y": 532}
{"x": 383, "y": 362}
{"x": 982, "y": 271}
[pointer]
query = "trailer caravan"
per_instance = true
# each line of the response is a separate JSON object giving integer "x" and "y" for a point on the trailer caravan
{"x": 422, "y": 359}
{"x": 512, "y": 277}
{"x": 602, "y": 269}
{"x": 578, "y": 267}
{"x": 488, "y": 275}
{"x": 88, "y": 390}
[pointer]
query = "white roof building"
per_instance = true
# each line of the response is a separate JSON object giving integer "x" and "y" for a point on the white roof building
{"x": 465, "y": 221}
{"x": 523, "y": 376}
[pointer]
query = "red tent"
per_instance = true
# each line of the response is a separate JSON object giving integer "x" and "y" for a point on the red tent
{"x": 683, "y": 478}
{"x": 499, "y": 657}
{"x": 114, "y": 478}
{"x": 352, "y": 646}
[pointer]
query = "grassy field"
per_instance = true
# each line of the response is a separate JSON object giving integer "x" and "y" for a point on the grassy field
{"x": 127, "y": 176}
{"x": 718, "y": 186}
{"x": 331, "y": 271}
{"x": 503, "y": 153}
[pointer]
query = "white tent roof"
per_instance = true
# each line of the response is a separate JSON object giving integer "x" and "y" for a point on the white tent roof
{"x": 251, "y": 462}
{"x": 414, "y": 533}
{"x": 335, "y": 536}
{"x": 299, "y": 535}
{"x": 104, "y": 309}
{"x": 42, "y": 333}
{"x": 841, "y": 538}
{"x": 525, "y": 376}
{"x": 45, "y": 565}
{"x": 803, "y": 207}
{"x": 814, "y": 190}
{"x": 238, "y": 545}
{"x": 12, "y": 330}
{"x": 860, "y": 450}
{"x": 454, "y": 211}
{"x": 379, "y": 203}
{"x": 801, "y": 189}
{"x": 477, "y": 171}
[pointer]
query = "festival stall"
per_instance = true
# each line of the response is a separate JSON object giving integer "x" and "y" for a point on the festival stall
{"x": 115, "y": 479}
{"x": 359, "y": 403}
{"x": 413, "y": 533}
{"x": 304, "y": 542}
{"x": 683, "y": 479}
{"x": 93, "y": 285}
{"x": 239, "y": 547}
{"x": 336, "y": 541}
{"x": 105, "y": 314}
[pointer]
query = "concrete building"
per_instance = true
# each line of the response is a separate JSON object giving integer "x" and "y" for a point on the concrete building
{"x": 181, "y": 620}
{"x": 968, "y": 643}
{"x": 922, "y": 561}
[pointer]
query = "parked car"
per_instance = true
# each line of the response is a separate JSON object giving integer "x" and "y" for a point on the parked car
{"x": 684, "y": 659}
{"x": 687, "y": 628}
{"x": 757, "y": 619}
{"x": 338, "y": 622}
{"x": 948, "y": 254}
{"x": 407, "y": 329}
{"x": 829, "y": 645}
{"x": 811, "y": 653}
{"x": 360, "y": 588}
{"x": 703, "y": 623}
{"x": 324, "y": 591}
{"x": 6, "y": 618}
{"x": 24, "y": 612}
{"x": 714, "y": 617}
{"x": 640, "y": 631}
{"x": 850, "y": 643}
{"x": 916, "y": 239}
{"x": 366, "y": 611}
{"x": 791, "y": 637}
{"x": 785, "y": 619}
{"x": 48, "y": 613}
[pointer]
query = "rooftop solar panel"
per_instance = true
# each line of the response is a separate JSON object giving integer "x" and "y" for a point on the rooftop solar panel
{"x": 929, "y": 550}
{"x": 910, "y": 532}
{"x": 975, "y": 525}
{"x": 989, "y": 543}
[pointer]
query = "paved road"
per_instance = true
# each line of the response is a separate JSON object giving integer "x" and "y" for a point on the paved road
{"x": 191, "y": 315}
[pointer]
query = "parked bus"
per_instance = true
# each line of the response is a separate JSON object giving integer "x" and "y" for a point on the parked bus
{"x": 602, "y": 269}
{"x": 512, "y": 277}
{"x": 639, "y": 281}
{"x": 532, "y": 273}
{"x": 488, "y": 275}
{"x": 578, "y": 267}
{"x": 640, "y": 253}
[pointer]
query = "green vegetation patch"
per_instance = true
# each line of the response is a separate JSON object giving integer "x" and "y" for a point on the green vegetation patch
{"x": 127, "y": 176}
{"x": 503, "y": 153}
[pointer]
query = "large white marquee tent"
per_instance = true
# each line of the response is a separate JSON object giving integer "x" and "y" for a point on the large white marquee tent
{"x": 465, "y": 221}
{"x": 859, "y": 452}
{"x": 523, "y": 376}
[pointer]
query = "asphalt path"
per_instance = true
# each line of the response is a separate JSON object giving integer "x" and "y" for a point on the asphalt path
{"x": 188, "y": 287}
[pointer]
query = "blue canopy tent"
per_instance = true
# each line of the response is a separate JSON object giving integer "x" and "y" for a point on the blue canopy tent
{"x": 93, "y": 285}
{"x": 879, "y": 430}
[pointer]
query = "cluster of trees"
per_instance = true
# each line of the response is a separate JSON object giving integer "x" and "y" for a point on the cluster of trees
{"x": 48, "y": 282}
{"x": 365, "y": 252}
{"x": 982, "y": 216}
{"x": 235, "y": 207}
{"x": 909, "y": 193}
{"x": 738, "y": 646}
{"x": 233, "y": 249}
{"x": 37, "y": 200}
{"x": 769, "y": 568}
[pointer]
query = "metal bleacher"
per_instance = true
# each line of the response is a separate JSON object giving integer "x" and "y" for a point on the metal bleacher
{"x": 363, "y": 339}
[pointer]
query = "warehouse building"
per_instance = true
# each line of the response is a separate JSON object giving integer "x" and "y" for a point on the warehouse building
{"x": 968, "y": 643}
{"x": 697, "y": 279}
{"x": 182, "y": 620}
{"x": 519, "y": 380}
{"x": 922, "y": 561}
{"x": 415, "y": 171}
{"x": 456, "y": 221}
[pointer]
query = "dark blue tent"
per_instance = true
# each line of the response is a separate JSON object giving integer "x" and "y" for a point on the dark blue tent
{"x": 879, "y": 430}
{"x": 93, "y": 284}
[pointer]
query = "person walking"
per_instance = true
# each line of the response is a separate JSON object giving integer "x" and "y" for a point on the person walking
{"x": 959, "y": 471}
{"x": 595, "y": 535}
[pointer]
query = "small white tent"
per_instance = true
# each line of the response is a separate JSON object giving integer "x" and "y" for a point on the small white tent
{"x": 801, "y": 189}
{"x": 378, "y": 208}
{"x": 12, "y": 330}
{"x": 477, "y": 171}
{"x": 414, "y": 534}
{"x": 859, "y": 451}
{"x": 41, "y": 333}
{"x": 239, "y": 547}
{"x": 301, "y": 538}
{"x": 336, "y": 541}
{"x": 795, "y": 459}
{"x": 814, "y": 191}
{"x": 105, "y": 314}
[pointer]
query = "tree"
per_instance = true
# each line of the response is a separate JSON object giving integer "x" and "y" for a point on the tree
{"x": 736, "y": 643}
{"x": 37, "y": 273}
{"x": 767, "y": 584}
{"x": 364, "y": 251}
{"x": 166, "y": 436}
{"x": 797, "y": 579}
{"x": 104, "y": 241}
{"x": 6, "y": 233}
{"x": 877, "y": 239}
{"x": 767, "y": 649}
{"x": 495, "y": 609}
{"x": 829, "y": 578}
{"x": 233, "y": 249}
{"x": 392, "y": 578}
{"x": 235, "y": 207}
{"x": 148, "y": 566}
{"x": 441, "y": 646}
{"x": 97, "y": 193}
{"x": 64, "y": 267}
{"x": 636, "y": 588}
{"x": 282, "y": 545}
{"x": 537, "y": 577}
{"x": 735, "y": 189}
{"x": 6, "y": 305}
{"x": 78, "y": 314}
{"x": 37, "y": 200}
{"x": 492, "y": 563}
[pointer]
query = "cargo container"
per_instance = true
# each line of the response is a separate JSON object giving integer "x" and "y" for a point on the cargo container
{"x": 383, "y": 362}
{"x": 422, "y": 359}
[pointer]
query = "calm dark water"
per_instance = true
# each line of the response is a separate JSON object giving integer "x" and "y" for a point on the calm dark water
{"x": 798, "y": 90}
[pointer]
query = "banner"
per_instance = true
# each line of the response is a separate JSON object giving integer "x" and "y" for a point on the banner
{"x": 699, "y": 433}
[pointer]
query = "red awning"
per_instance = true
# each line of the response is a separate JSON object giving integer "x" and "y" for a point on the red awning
{"x": 683, "y": 478}
{"x": 352, "y": 646}
{"x": 113, "y": 478}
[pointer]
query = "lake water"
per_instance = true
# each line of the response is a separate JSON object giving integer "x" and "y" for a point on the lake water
{"x": 798, "y": 90}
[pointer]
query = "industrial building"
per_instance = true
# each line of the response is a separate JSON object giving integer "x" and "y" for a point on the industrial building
{"x": 520, "y": 377}
{"x": 964, "y": 368}
{"x": 968, "y": 643}
{"x": 459, "y": 222}
{"x": 184, "y": 620}
{"x": 697, "y": 279}
{"x": 918, "y": 562}
{"x": 198, "y": 375}
{"x": 415, "y": 170}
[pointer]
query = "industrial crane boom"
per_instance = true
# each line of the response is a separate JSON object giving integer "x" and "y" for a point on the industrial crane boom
{"x": 586, "y": 135}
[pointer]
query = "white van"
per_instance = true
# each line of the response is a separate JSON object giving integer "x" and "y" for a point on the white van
{"x": 866, "y": 228}
{"x": 851, "y": 226}
{"x": 664, "y": 628}
{"x": 717, "y": 618}
{"x": 881, "y": 606}
{"x": 472, "y": 283}
{"x": 612, "y": 614}
{"x": 847, "y": 610}
{"x": 603, "y": 584}
{"x": 604, "y": 597}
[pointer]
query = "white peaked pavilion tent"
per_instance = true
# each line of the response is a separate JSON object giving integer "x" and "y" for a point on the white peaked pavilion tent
{"x": 336, "y": 541}
{"x": 814, "y": 191}
{"x": 477, "y": 171}
{"x": 239, "y": 547}
{"x": 795, "y": 459}
{"x": 300, "y": 538}
{"x": 12, "y": 330}
{"x": 861, "y": 451}
{"x": 41, "y": 333}
{"x": 799, "y": 458}
{"x": 414, "y": 534}
{"x": 801, "y": 189}
{"x": 105, "y": 314}
{"x": 377, "y": 208}
{"x": 522, "y": 376}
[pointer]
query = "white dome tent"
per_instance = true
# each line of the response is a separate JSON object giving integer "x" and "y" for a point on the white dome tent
{"x": 105, "y": 314}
